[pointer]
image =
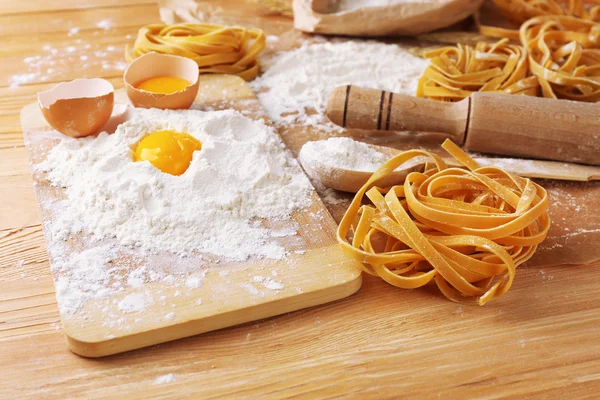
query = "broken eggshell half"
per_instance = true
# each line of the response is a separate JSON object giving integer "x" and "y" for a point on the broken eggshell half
{"x": 78, "y": 108}
{"x": 152, "y": 65}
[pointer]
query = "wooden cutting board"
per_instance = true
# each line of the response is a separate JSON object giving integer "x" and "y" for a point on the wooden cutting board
{"x": 316, "y": 272}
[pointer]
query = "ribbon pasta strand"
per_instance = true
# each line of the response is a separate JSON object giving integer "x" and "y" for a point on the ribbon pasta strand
{"x": 520, "y": 11}
{"x": 558, "y": 56}
{"x": 216, "y": 49}
{"x": 466, "y": 230}
{"x": 456, "y": 72}
{"x": 563, "y": 53}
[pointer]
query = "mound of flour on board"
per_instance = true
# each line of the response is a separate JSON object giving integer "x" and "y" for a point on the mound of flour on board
{"x": 343, "y": 152}
{"x": 295, "y": 85}
{"x": 242, "y": 174}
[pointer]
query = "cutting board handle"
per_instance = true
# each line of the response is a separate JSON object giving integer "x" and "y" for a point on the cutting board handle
{"x": 354, "y": 107}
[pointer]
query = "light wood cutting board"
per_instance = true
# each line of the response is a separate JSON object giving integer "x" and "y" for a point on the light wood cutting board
{"x": 314, "y": 273}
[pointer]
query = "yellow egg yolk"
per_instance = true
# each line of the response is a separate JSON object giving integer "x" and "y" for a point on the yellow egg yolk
{"x": 164, "y": 85}
{"x": 169, "y": 151}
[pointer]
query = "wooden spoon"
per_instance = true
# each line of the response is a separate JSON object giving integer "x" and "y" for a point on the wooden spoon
{"x": 346, "y": 180}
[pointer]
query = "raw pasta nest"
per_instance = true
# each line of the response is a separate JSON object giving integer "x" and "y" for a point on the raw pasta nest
{"x": 522, "y": 10}
{"x": 558, "y": 57}
{"x": 563, "y": 53}
{"x": 464, "y": 229}
{"x": 216, "y": 49}
{"x": 456, "y": 72}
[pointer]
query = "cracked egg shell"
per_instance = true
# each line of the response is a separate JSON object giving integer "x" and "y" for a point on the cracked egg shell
{"x": 153, "y": 65}
{"x": 78, "y": 108}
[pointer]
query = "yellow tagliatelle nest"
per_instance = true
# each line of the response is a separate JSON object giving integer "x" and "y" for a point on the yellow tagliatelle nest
{"x": 456, "y": 72}
{"x": 522, "y": 10}
{"x": 563, "y": 53}
{"x": 464, "y": 229}
{"x": 558, "y": 56}
{"x": 216, "y": 49}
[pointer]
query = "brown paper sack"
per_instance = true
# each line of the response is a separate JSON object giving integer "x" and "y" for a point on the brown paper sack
{"x": 409, "y": 17}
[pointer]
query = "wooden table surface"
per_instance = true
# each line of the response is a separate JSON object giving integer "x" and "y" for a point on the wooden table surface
{"x": 374, "y": 344}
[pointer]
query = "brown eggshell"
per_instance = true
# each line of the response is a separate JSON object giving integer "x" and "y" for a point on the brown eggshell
{"x": 152, "y": 65}
{"x": 78, "y": 108}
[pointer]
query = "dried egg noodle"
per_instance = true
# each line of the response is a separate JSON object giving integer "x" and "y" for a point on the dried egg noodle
{"x": 456, "y": 72}
{"x": 563, "y": 53}
{"x": 216, "y": 49}
{"x": 559, "y": 56}
{"x": 464, "y": 229}
{"x": 521, "y": 10}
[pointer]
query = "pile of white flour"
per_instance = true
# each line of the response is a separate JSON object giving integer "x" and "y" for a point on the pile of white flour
{"x": 296, "y": 85}
{"x": 242, "y": 174}
{"x": 343, "y": 152}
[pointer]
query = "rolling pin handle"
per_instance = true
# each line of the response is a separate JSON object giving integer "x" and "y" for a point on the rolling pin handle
{"x": 354, "y": 107}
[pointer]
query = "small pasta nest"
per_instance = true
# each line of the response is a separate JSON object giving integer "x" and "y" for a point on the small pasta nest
{"x": 216, "y": 49}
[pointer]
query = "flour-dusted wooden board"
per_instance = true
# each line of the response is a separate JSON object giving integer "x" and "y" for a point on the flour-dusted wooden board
{"x": 315, "y": 271}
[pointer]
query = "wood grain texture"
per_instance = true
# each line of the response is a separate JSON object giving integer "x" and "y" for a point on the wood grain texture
{"x": 534, "y": 127}
{"x": 539, "y": 342}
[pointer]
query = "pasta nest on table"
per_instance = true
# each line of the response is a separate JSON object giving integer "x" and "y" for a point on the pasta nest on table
{"x": 558, "y": 56}
{"x": 454, "y": 73}
{"x": 216, "y": 49}
{"x": 521, "y": 10}
{"x": 466, "y": 230}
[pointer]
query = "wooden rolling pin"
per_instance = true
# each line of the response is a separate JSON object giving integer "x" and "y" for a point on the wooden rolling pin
{"x": 521, "y": 126}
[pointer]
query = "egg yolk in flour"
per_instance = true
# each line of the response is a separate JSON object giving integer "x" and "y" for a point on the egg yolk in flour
{"x": 164, "y": 85}
{"x": 169, "y": 151}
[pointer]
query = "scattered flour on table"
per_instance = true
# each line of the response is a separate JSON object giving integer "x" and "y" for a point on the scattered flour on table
{"x": 243, "y": 173}
{"x": 296, "y": 85}
{"x": 134, "y": 302}
{"x": 168, "y": 378}
{"x": 170, "y": 316}
{"x": 250, "y": 288}
{"x": 52, "y": 63}
{"x": 194, "y": 282}
{"x": 83, "y": 275}
{"x": 269, "y": 283}
{"x": 105, "y": 24}
{"x": 343, "y": 152}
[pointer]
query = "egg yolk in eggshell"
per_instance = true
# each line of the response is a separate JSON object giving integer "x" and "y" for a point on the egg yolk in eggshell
{"x": 169, "y": 151}
{"x": 163, "y": 85}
